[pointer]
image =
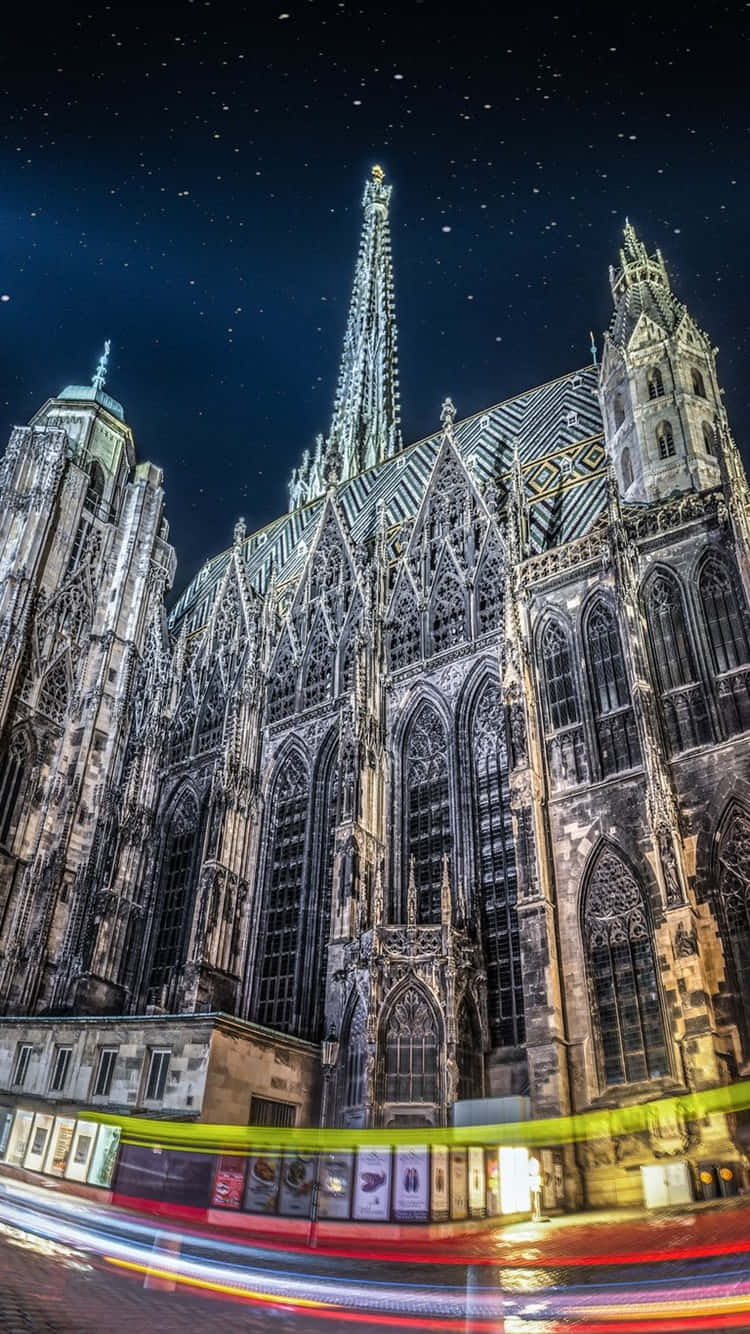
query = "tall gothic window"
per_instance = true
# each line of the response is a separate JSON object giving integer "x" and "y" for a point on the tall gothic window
{"x": 54, "y": 692}
{"x": 709, "y": 438}
{"x": 282, "y": 689}
{"x": 469, "y": 1054}
{"x": 734, "y": 904}
{"x": 14, "y": 765}
{"x": 626, "y": 465}
{"x": 488, "y": 594}
{"x": 318, "y": 680}
{"x": 697, "y": 383}
{"x": 412, "y": 1049}
{"x": 727, "y": 630}
{"x": 276, "y": 960}
{"x": 404, "y": 632}
{"x": 211, "y": 721}
{"x": 95, "y": 489}
{"x": 655, "y": 383}
{"x": 622, "y": 972}
{"x": 181, "y": 735}
{"x": 355, "y": 1071}
{"x": 682, "y": 695}
{"x": 560, "y": 693}
{"x": 427, "y": 805}
{"x": 175, "y": 890}
{"x": 665, "y": 440}
{"x": 616, "y": 733}
{"x": 447, "y": 610}
{"x": 495, "y": 869}
{"x": 320, "y": 897}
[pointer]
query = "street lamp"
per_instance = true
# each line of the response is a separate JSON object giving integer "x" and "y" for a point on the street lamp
{"x": 329, "y": 1054}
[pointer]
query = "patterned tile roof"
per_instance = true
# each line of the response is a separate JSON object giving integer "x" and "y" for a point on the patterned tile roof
{"x": 558, "y": 427}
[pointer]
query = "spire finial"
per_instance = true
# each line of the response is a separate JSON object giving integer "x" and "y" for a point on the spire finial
{"x": 447, "y": 415}
{"x": 592, "y": 347}
{"x": 99, "y": 378}
{"x": 378, "y": 174}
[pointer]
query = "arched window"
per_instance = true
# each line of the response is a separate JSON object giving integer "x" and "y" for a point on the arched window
{"x": 469, "y": 1054}
{"x": 354, "y": 1092}
{"x": 447, "y": 610}
{"x": 320, "y": 662}
{"x": 404, "y": 631}
{"x": 709, "y": 438}
{"x": 412, "y": 1049}
{"x": 319, "y": 897}
{"x": 734, "y": 906}
{"x": 727, "y": 632}
{"x": 95, "y": 489}
{"x": 696, "y": 380}
{"x": 626, "y": 466}
{"x": 427, "y": 806}
{"x": 211, "y": 721}
{"x": 176, "y": 882}
{"x": 495, "y": 868}
{"x": 14, "y": 766}
{"x": 282, "y": 689}
{"x": 614, "y": 720}
{"x": 488, "y": 594}
{"x": 622, "y": 972}
{"x": 54, "y": 692}
{"x": 665, "y": 440}
{"x": 276, "y": 957}
{"x": 655, "y": 383}
{"x": 682, "y": 694}
{"x": 561, "y": 699}
{"x": 619, "y": 411}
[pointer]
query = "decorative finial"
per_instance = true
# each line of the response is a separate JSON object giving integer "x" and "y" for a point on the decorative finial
{"x": 240, "y": 532}
{"x": 447, "y": 414}
{"x": 378, "y": 174}
{"x": 592, "y": 348}
{"x": 99, "y": 378}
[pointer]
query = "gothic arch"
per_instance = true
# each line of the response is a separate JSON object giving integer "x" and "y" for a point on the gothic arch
{"x": 469, "y": 1049}
{"x": 726, "y": 627}
{"x": 730, "y": 881}
{"x": 352, "y": 1092}
{"x": 210, "y": 725}
{"x": 179, "y": 858}
{"x": 347, "y": 650}
{"x": 615, "y": 729}
{"x": 55, "y": 689}
{"x": 404, "y": 626}
{"x": 318, "y": 889}
{"x": 448, "y": 607}
{"x": 16, "y": 762}
{"x": 282, "y": 687}
{"x": 674, "y": 659}
{"x": 427, "y": 800}
{"x": 489, "y": 589}
{"x": 561, "y": 701}
{"x": 318, "y": 666}
{"x": 622, "y": 972}
{"x": 411, "y": 1045}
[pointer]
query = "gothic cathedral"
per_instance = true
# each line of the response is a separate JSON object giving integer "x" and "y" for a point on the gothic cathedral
{"x": 452, "y": 757}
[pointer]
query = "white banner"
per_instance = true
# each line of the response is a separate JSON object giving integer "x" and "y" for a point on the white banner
{"x": 411, "y": 1191}
{"x": 372, "y": 1185}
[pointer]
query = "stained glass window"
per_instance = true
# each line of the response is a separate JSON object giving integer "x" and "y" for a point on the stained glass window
{"x": 175, "y": 891}
{"x": 411, "y": 1049}
{"x": 427, "y": 801}
{"x": 276, "y": 962}
{"x": 560, "y": 693}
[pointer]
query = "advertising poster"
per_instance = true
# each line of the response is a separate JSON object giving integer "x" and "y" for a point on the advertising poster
{"x": 104, "y": 1157}
{"x": 459, "y": 1184}
{"x": 262, "y": 1190}
{"x": 297, "y": 1184}
{"x": 412, "y": 1184}
{"x": 59, "y": 1145}
{"x": 34, "y": 1159}
{"x": 229, "y": 1183}
{"x": 19, "y": 1138}
{"x": 492, "y": 1168}
{"x": 79, "y": 1158}
{"x": 515, "y": 1193}
{"x": 477, "y": 1202}
{"x": 6, "y": 1121}
{"x": 335, "y": 1185}
{"x": 372, "y": 1185}
{"x": 439, "y": 1194}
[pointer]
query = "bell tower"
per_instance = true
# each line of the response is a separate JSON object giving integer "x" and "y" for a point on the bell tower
{"x": 658, "y": 387}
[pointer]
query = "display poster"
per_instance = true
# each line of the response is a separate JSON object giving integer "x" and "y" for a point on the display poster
{"x": 492, "y": 1169}
{"x": 477, "y": 1202}
{"x": 439, "y": 1188}
{"x": 59, "y": 1145}
{"x": 37, "y": 1149}
{"x": 79, "y": 1158}
{"x": 335, "y": 1185}
{"x": 19, "y": 1138}
{"x": 515, "y": 1191}
{"x": 262, "y": 1189}
{"x": 459, "y": 1184}
{"x": 297, "y": 1184}
{"x": 229, "y": 1182}
{"x": 372, "y": 1185}
{"x": 104, "y": 1157}
{"x": 6, "y": 1121}
{"x": 412, "y": 1184}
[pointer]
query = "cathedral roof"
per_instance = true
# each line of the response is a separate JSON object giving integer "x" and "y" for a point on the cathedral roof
{"x": 88, "y": 393}
{"x": 558, "y": 429}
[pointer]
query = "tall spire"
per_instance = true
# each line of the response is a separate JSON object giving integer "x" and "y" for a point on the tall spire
{"x": 641, "y": 286}
{"x": 366, "y": 424}
{"x": 99, "y": 378}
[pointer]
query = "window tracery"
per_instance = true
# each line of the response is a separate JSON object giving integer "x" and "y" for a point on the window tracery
{"x": 404, "y": 635}
{"x": 734, "y": 904}
{"x": 211, "y": 721}
{"x": 318, "y": 678}
{"x": 614, "y": 720}
{"x": 448, "y": 610}
{"x": 566, "y": 756}
{"x": 655, "y": 383}
{"x": 320, "y": 896}
{"x": 282, "y": 689}
{"x": 427, "y": 804}
{"x": 411, "y": 1049}
{"x": 355, "y": 1070}
{"x": 54, "y": 692}
{"x": 495, "y": 868}
{"x": 175, "y": 891}
{"x": 489, "y": 593}
{"x": 682, "y": 695}
{"x": 14, "y": 769}
{"x": 622, "y": 970}
{"x": 469, "y": 1054}
{"x": 277, "y": 952}
{"x": 665, "y": 440}
{"x": 727, "y": 631}
{"x": 181, "y": 735}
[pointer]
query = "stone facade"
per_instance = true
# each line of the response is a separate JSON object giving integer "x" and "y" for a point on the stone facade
{"x": 452, "y": 757}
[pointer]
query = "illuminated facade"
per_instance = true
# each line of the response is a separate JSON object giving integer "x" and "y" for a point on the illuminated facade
{"x": 452, "y": 757}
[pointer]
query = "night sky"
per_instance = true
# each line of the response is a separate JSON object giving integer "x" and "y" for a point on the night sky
{"x": 186, "y": 180}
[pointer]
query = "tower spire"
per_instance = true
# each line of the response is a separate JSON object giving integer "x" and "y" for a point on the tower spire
{"x": 99, "y": 378}
{"x": 365, "y": 428}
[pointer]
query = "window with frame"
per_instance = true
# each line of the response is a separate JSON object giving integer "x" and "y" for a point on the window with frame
{"x": 427, "y": 804}
{"x": 448, "y": 610}
{"x": 709, "y": 438}
{"x": 54, "y": 692}
{"x": 278, "y": 942}
{"x": 726, "y": 622}
{"x": 655, "y": 383}
{"x": 560, "y": 694}
{"x": 733, "y": 907}
{"x": 405, "y": 629}
{"x": 469, "y": 1056}
{"x": 21, "y": 1064}
{"x": 13, "y": 768}
{"x": 665, "y": 440}
{"x": 156, "y": 1077}
{"x": 355, "y": 1070}
{"x": 104, "y": 1071}
{"x": 282, "y": 688}
{"x": 176, "y": 886}
{"x": 411, "y": 1049}
{"x": 318, "y": 676}
{"x": 209, "y": 731}
{"x": 489, "y": 593}
{"x": 614, "y": 720}
{"x": 682, "y": 696}
{"x": 622, "y": 971}
{"x": 697, "y": 382}
{"x": 60, "y": 1069}
{"x": 326, "y": 815}
{"x": 495, "y": 869}
{"x": 269, "y": 1112}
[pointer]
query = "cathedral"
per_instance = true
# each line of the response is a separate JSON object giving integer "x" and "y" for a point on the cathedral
{"x": 451, "y": 759}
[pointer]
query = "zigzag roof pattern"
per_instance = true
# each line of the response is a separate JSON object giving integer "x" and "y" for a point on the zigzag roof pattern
{"x": 558, "y": 428}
